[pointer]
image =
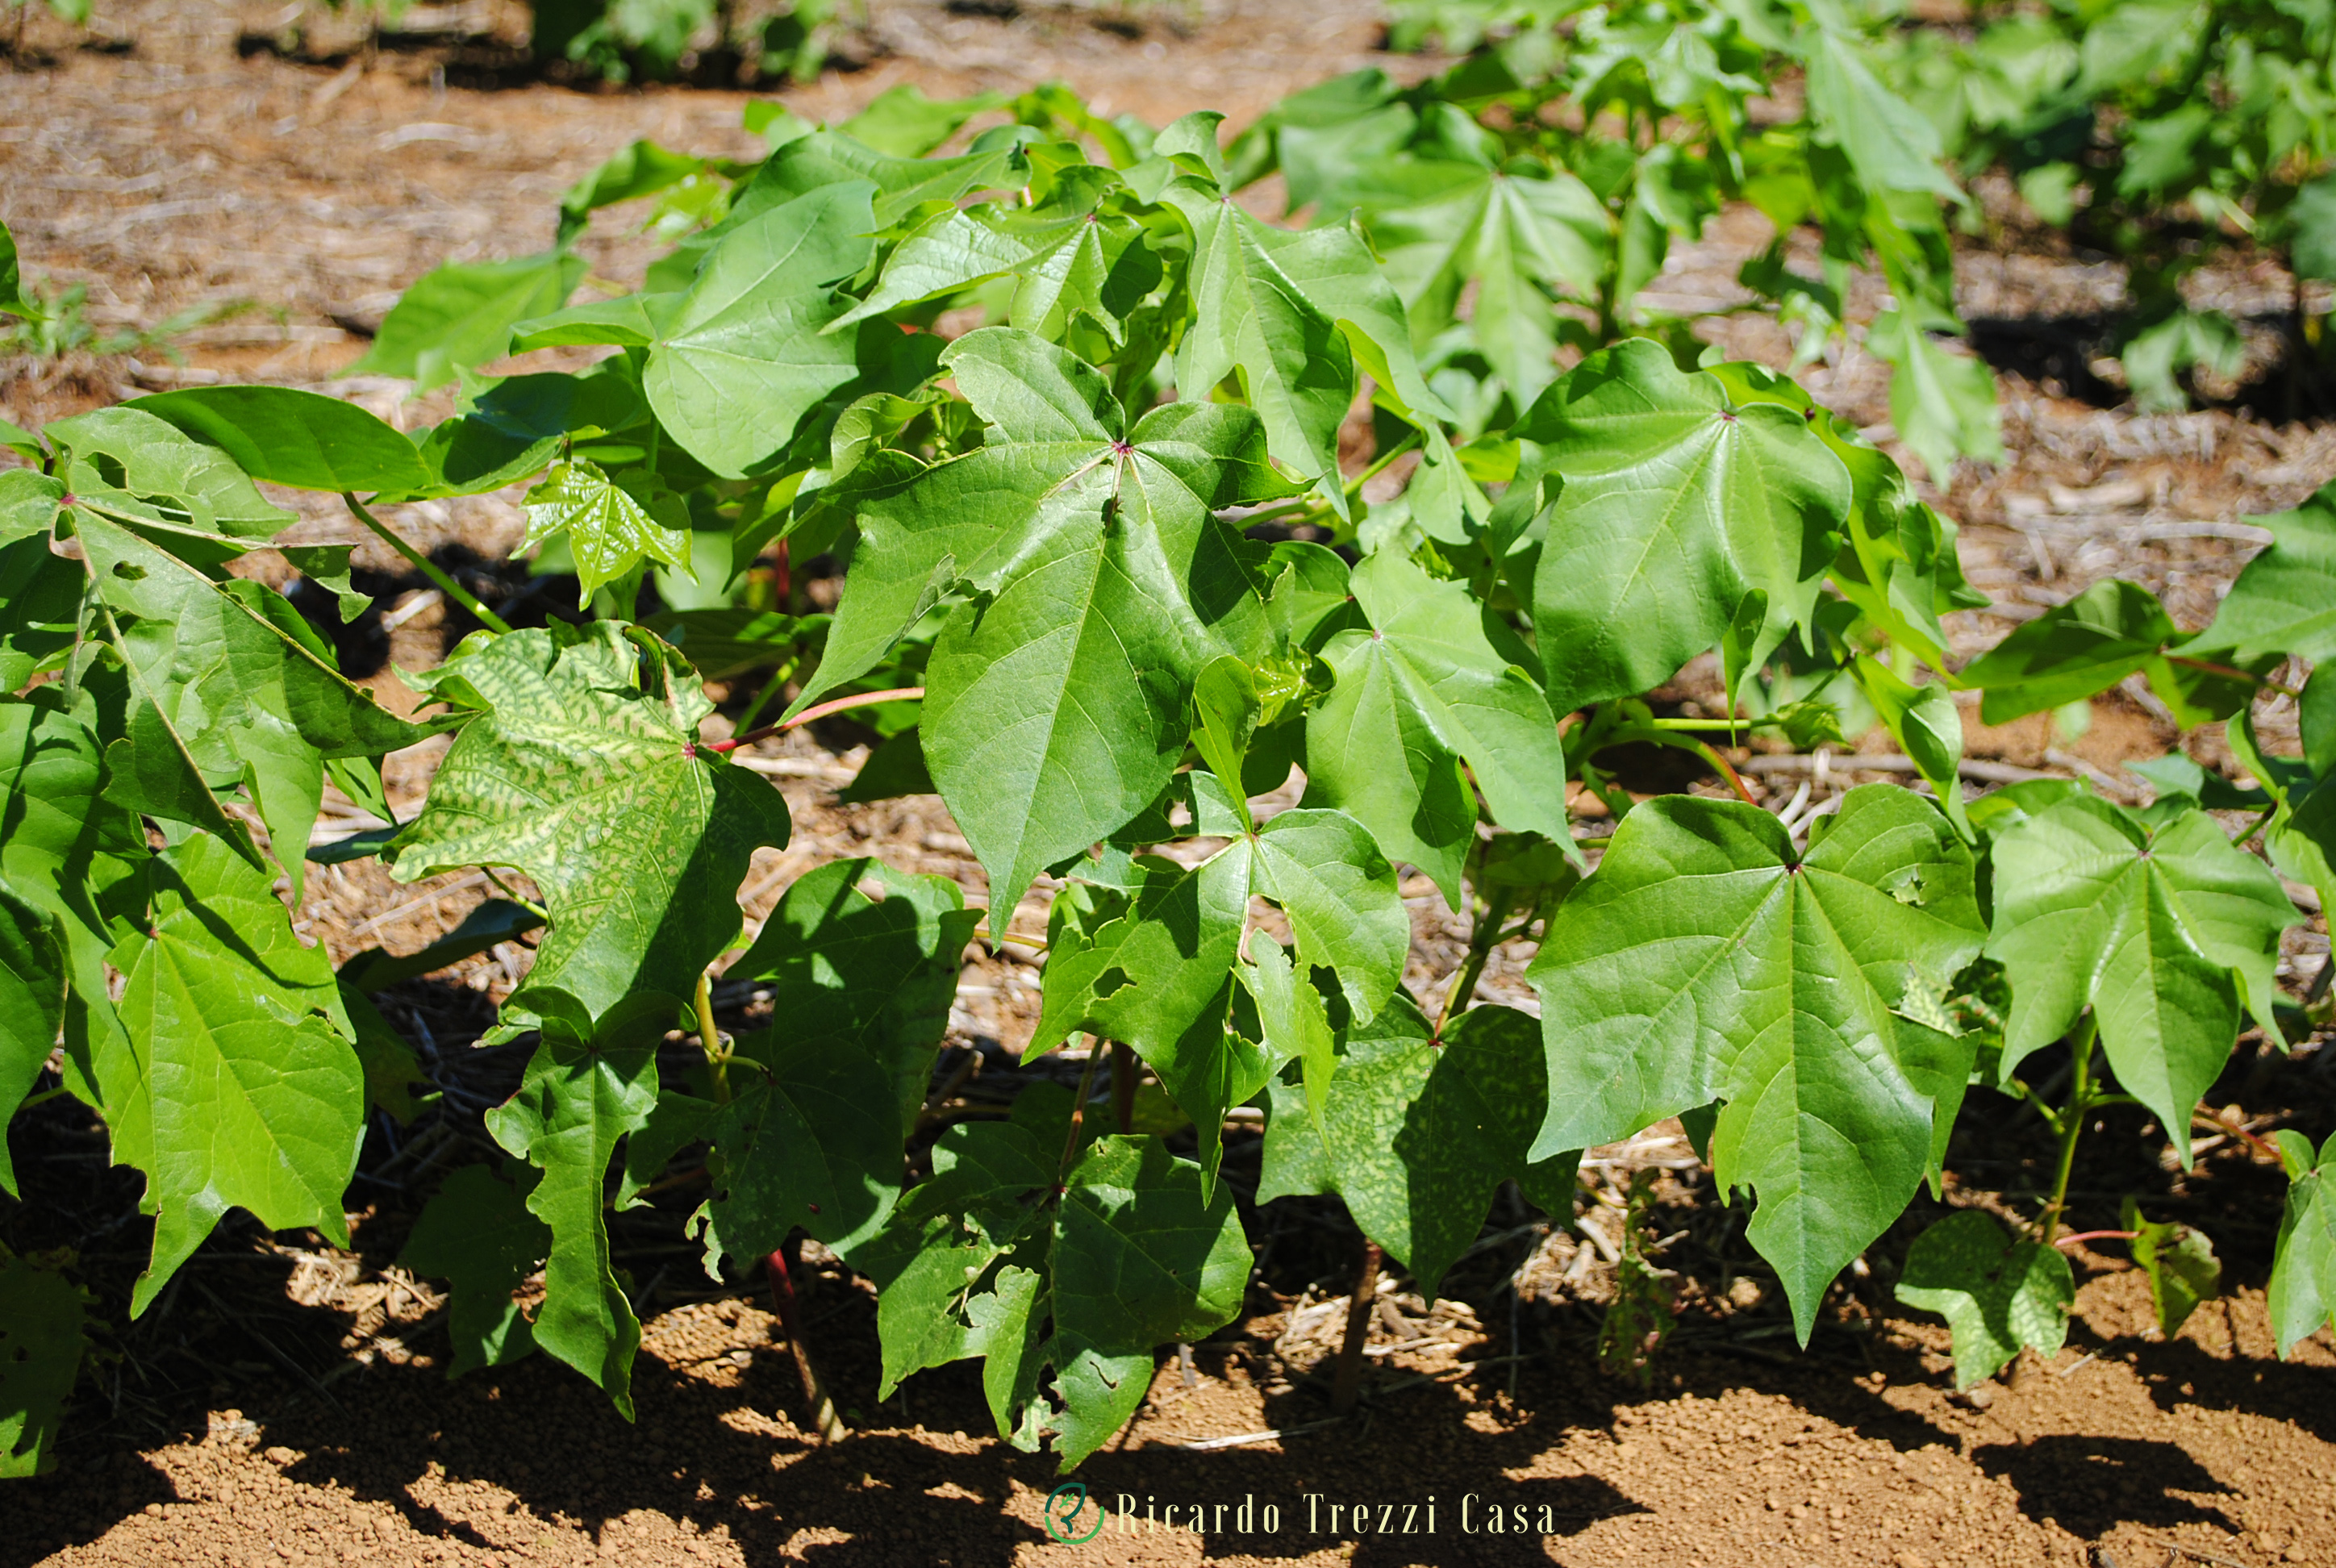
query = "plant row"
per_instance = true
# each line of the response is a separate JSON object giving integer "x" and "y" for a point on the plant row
{"x": 1084, "y": 597}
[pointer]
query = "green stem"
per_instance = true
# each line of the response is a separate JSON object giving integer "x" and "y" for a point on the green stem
{"x": 1725, "y": 723}
{"x": 1379, "y": 464}
{"x": 770, "y": 689}
{"x": 2071, "y": 1123}
{"x": 512, "y": 893}
{"x": 1480, "y": 942}
{"x": 710, "y": 1038}
{"x": 43, "y": 1098}
{"x": 423, "y": 564}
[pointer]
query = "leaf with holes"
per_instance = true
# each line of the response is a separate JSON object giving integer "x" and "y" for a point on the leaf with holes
{"x": 1676, "y": 504}
{"x": 1707, "y": 959}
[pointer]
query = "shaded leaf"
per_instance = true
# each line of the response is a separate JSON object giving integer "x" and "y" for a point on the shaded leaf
{"x": 32, "y": 1009}
{"x": 585, "y": 1088}
{"x": 864, "y": 959}
{"x": 1999, "y": 1294}
{"x": 2179, "y": 1263}
{"x": 1418, "y": 1133}
{"x": 43, "y": 1334}
{"x": 477, "y": 1234}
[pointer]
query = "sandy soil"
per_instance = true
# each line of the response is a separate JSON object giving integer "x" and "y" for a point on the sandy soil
{"x": 286, "y": 1404}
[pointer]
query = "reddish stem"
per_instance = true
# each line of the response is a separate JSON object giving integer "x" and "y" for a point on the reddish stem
{"x": 1347, "y": 1382}
{"x": 783, "y": 1301}
{"x": 1735, "y": 780}
{"x": 2073, "y": 1237}
{"x": 2264, "y": 1146}
{"x": 857, "y": 700}
{"x": 2231, "y": 672}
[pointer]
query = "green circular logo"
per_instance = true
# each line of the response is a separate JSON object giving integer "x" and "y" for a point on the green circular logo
{"x": 1065, "y": 1504}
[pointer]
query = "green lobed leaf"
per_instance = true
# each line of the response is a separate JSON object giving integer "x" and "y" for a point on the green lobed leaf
{"x": 2072, "y": 651}
{"x": 12, "y": 282}
{"x": 902, "y": 121}
{"x": 72, "y": 854}
{"x": 1707, "y": 959}
{"x": 865, "y": 958}
{"x": 40, "y": 591}
{"x": 236, "y": 1084}
{"x": 1676, "y": 504}
{"x": 607, "y": 529}
{"x": 1004, "y": 1253}
{"x": 1142, "y": 1257}
{"x": 1999, "y": 1294}
{"x": 223, "y": 676}
{"x": 1297, "y": 368}
{"x": 1155, "y": 969}
{"x": 810, "y": 1136}
{"x": 459, "y": 315}
{"x": 1927, "y": 726}
{"x": 2303, "y": 1293}
{"x": 2164, "y": 932}
{"x": 1427, "y": 682}
{"x": 1076, "y": 251}
{"x": 743, "y": 358}
{"x": 2284, "y": 600}
{"x": 1103, "y": 583}
{"x": 43, "y": 1334}
{"x": 588, "y": 1085}
{"x": 1942, "y": 404}
{"x": 32, "y": 1008}
{"x": 477, "y": 1234}
{"x": 1418, "y": 1133}
{"x": 584, "y": 772}
{"x": 1339, "y": 895}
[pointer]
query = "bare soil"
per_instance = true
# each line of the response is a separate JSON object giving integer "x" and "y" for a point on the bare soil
{"x": 286, "y": 1402}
